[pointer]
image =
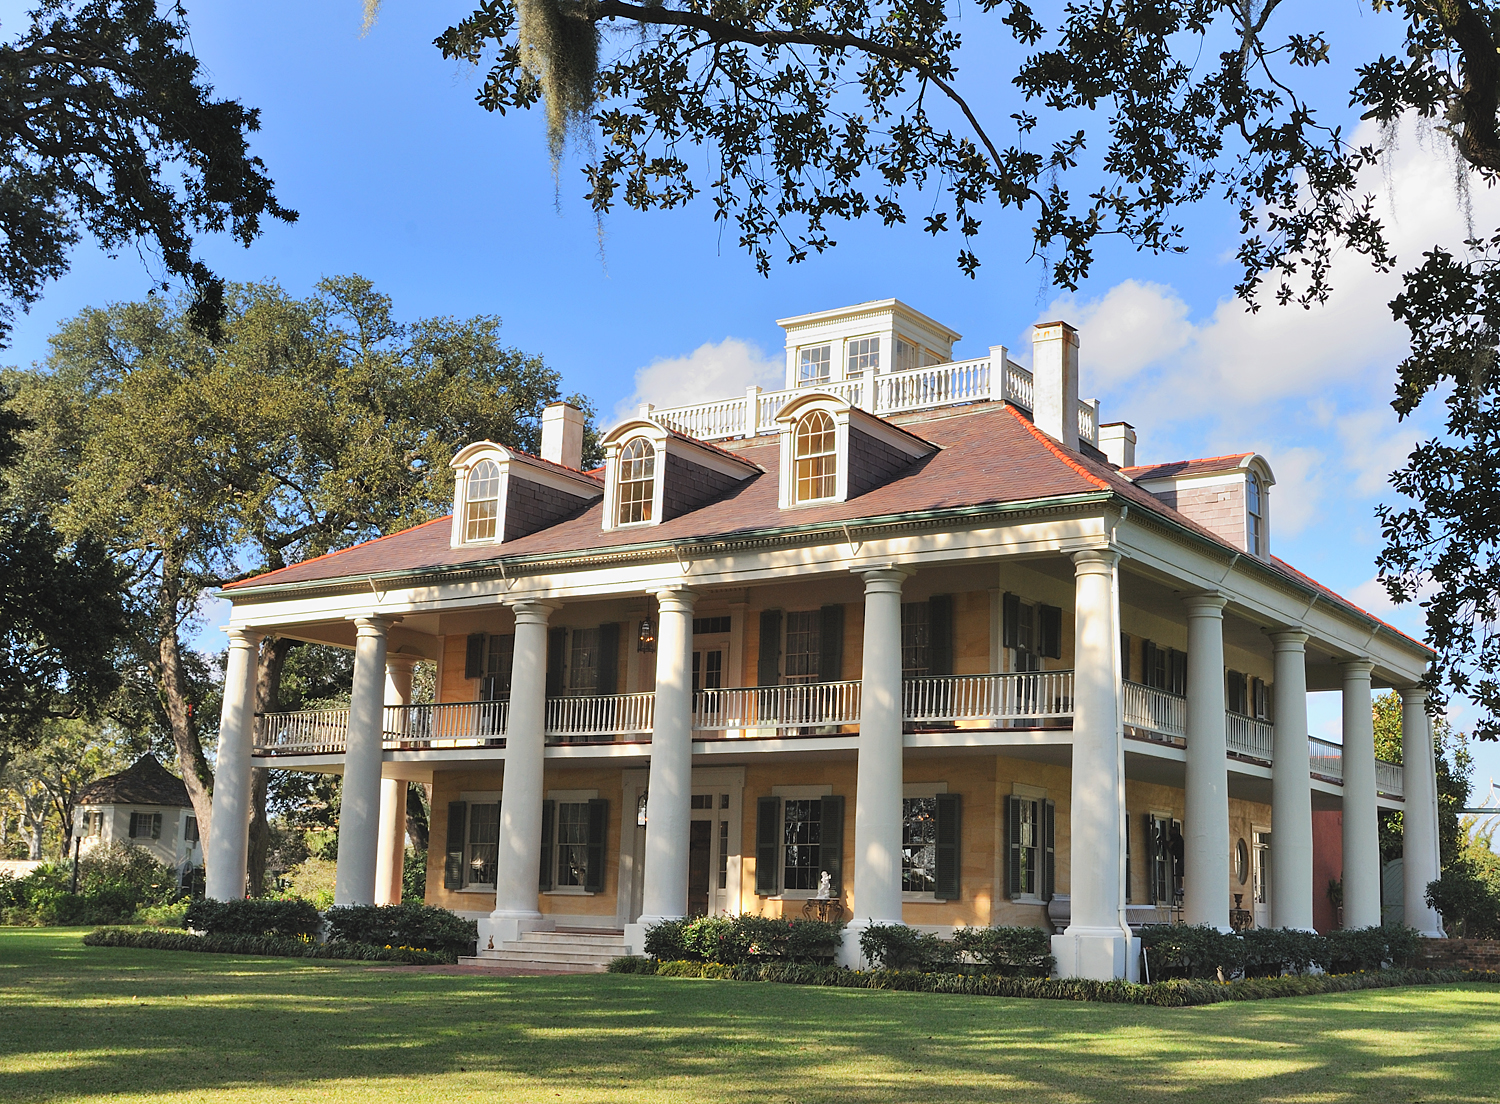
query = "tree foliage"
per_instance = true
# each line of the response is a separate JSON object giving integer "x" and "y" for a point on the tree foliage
{"x": 110, "y": 129}
{"x": 1112, "y": 118}
{"x": 1455, "y": 768}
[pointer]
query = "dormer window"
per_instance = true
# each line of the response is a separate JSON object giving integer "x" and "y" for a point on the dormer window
{"x": 816, "y": 451}
{"x": 482, "y": 501}
{"x": 1255, "y": 515}
{"x": 815, "y": 366}
{"x": 637, "y": 487}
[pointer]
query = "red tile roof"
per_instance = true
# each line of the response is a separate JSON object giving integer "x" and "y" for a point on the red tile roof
{"x": 988, "y": 454}
{"x": 1177, "y": 468}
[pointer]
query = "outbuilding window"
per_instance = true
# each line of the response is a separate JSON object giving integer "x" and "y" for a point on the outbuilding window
{"x": 482, "y": 501}
{"x": 1254, "y": 515}
{"x": 637, "y": 482}
{"x": 815, "y": 450}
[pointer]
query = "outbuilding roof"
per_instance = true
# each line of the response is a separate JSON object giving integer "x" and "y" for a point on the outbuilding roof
{"x": 1177, "y": 469}
{"x": 145, "y": 782}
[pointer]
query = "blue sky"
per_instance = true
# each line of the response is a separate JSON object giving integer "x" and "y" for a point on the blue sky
{"x": 400, "y": 177}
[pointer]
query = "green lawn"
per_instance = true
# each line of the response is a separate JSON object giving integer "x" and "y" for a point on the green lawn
{"x": 78, "y": 1023}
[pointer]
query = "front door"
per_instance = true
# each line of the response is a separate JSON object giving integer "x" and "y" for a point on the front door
{"x": 708, "y": 854}
{"x": 1261, "y": 869}
{"x": 700, "y": 864}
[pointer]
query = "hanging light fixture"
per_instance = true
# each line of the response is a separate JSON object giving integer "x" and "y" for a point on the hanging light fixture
{"x": 645, "y": 641}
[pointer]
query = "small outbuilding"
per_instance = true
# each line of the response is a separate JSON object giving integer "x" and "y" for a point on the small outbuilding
{"x": 145, "y": 805}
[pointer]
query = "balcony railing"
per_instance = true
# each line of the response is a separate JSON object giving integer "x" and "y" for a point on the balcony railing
{"x": 884, "y": 393}
{"x": 1039, "y": 696}
{"x": 1325, "y": 760}
{"x": 1155, "y": 712}
{"x": 1390, "y": 779}
{"x": 1249, "y": 737}
{"x": 585, "y": 719}
{"x": 306, "y": 732}
{"x": 797, "y": 706}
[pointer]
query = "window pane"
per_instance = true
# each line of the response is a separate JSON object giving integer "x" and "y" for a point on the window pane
{"x": 637, "y": 482}
{"x": 815, "y": 365}
{"x": 482, "y": 507}
{"x": 804, "y": 644}
{"x": 802, "y": 844}
{"x": 915, "y": 639}
{"x": 484, "y": 843}
{"x": 1027, "y": 853}
{"x": 919, "y": 844}
{"x": 864, "y": 355}
{"x": 572, "y": 844}
{"x": 583, "y": 662}
{"x": 815, "y": 448}
{"x": 724, "y": 853}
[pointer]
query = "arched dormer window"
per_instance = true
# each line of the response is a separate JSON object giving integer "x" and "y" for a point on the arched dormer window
{"x": 637, "y": 488}
{"x": 815, "y": 449}
{"x": 482, "y": 501}
{"x": 1255, "y": 515}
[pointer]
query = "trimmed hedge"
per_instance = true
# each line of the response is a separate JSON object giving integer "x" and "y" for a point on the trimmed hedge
{"x": 729, "y": 940}
{"x": 1180, "y": 993}
{"x": 406, "y": 925}
{"x": 1011, "y": 951}
{"x": 268, "y": 945}
{"x": 291, "y": 918}
{"x": 1200, "y": 951}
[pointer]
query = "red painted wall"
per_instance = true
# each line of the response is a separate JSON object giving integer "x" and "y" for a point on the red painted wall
{"x": 1328, "y": 864}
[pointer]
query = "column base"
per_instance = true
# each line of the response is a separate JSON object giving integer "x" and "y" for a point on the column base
{"x": 498, "y": 927}
{"x": 1099, "y": 954}
{"x": 849, "y": 953}
{"x": 635, "y": 934}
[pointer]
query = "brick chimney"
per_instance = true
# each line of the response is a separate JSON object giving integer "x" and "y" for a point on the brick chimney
{"x": 562, "y": 434}
{"x": 1054, "y": 376}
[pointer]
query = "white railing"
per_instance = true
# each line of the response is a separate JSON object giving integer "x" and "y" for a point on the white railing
{"x": 1325, "y": 759}
{"x": 800, "y": 705}
{"x": 1017, "y": 386}
{"x": 707, "y": 421}
{"x": 1088, "y": 421}
{"x": 307, "y": 732}
{"x": 1155, "y": 711}
{"x": 935, "y": 385}
{"x": 1389, "y": 779}
{"x": 449, "y": 724}
{"x": 1247, "y": 736}
{"x": 1035, "y": 695}
{"x": 582, "y": 718}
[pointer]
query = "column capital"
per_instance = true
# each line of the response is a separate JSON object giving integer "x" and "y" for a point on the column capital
{"x": 243, "y": 637}
{"x": 1206, "y": 604}
{"x": 533, "y": 611}
{"x": 677, "y": 599}
{"x": 887, "y": 578}
{"x": 374, "y": 624}
{"x": 1095, "y": 561}
{"x": 1287, "y": 640}
{"x": 1414, "y": 695}
{"x": 1355, "y": 668}
{"x": 401, "y": 661}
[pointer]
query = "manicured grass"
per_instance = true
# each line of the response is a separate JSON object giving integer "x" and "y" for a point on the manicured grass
{"x": 80, "y": 1023}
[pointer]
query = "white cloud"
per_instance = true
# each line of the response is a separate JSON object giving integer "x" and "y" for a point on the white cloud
{"x": 1375, "y": 445}
{"x": 1299, "y": 487}
{"x": 711, "y": 371}
{"x": 1134, "y": 325}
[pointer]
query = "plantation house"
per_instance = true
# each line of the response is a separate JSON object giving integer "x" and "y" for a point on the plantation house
{"x": 918, "y": 624}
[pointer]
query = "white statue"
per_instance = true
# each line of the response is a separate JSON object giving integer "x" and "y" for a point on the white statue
{"x": 825, "y": 887}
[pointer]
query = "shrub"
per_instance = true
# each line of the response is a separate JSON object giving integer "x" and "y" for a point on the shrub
{"x": 271, "y": 945}
{"x": 1011, "y": 952}
{"x": 713, "y": 939}
{"x": 897, "y": 947}
{"x": 631, "y": 964}
{"x": 728, "y": 940}
{"x": 312, "y": 880}
{"x": 163, "y": 916}
{"x": 414, "y": 877}
{"x": 1469, "y": 906}
{"x": 1271, "y": 952}
{"x": 665, "y": 941}
{"x": 405, "y": 925}
{"x": 113, "y": 882}
{"x": 1191, "y": 951}
{"x": 1345, "y": 952}
{"x": 262, "y": 916}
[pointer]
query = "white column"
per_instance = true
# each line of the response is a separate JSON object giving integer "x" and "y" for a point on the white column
{"x": 520, "y": 859}
{"x": 1205, "y": 878}
{"x": 1291, "y": 789}
{"x": 1097, "y": 942}
{"x": 390, "y": 851}
{"x": 877, "y": 791}
{"x": 1419, "y": 824}
{"x": 359, "y": 798}
{"x": 1361, "y": 818}
{"x": 669, "y": 787}
{"x": 228, "y": 843}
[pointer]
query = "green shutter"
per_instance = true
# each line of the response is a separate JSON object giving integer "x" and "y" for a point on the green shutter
{"x": 1153, "y": 856}
{"x": 1125, "y": 656}
{"x": 557, "y": 650}
{"x": 1010, "y": 621}
{"x": 1179, "y": 672}
{"x": 1049, "y": 628}
{"x": 453, "y": 864}
{"x": 949, "y": 837}
{"x": 767, "y": 853}
{"x": 593, "y": 877}
{"x": 768, "y": 669}
{"x": 474, "y": 656}
{"x": 1127, "y": 856}
{"x": 544, "y": 876}
{"x": 134, "y": 820}
{"x": 940, "y": 634}
{"x": 1049, "y": 858}
{"x": 831, "y": 644}
{"x": 1012, "y": 847}
{"x": 609, "y": 658}
{"x": 832, "y": 852}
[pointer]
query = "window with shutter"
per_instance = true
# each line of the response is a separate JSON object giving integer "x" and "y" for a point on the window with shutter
{"x": 156, "y": 826}
{"x": 1235, "y": 692}
{"x": 919, "y": 844}
{"x": 135, "y": 824}
{"x": 767, "y": 850}
{"x": 1178, "y": 684}
{"x": 1125, "y": 656}
{"x": 499, "y": 659}
{"x": 804, "y": 645}
{"x": 949, "y": 837}
{"x": 916, "y": 646}
{"x": 453, "y": 862}
{"x": 483, "y": 850}
{"x": 833, "y": 841}
{"x": 940, "y": 634}
{"x": 802, "y": 843}
{"x": 1026, "y": 851}
{"x": 598, "y": 837}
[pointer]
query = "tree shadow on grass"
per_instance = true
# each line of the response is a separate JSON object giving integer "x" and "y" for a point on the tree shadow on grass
{"x": 88, "y": 1022}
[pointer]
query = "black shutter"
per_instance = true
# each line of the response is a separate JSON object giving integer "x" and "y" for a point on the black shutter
{"x": 135, "y": 819}
{"x": 831, "y": 644}
{"x": 949, "y": 836}
{"x": 557, "y": 650}
{"x": 156, "y": 826}
{"x": 1179, "y": 672}
{"x": 1153, "y": 858}
{"x": 1127, "y": 856}
{"x": 940, "y": 634}
{"x": 767, "y": 854}
{"x": 593, "y": 878}
{"x": 474, "y": 656}
{"x": 1125, "y": 656}
{"x": 1013, "y": 847}
{"x": 453, "y": 864}
{"x": 832, "y": 847}
{"x": 609, "y": 658}
{"x": 1010, "y": 621}
{"x": 1049, "y": 628}
{"x": 768, "y": 668}
{"x": 544, "y": 875}
{"x": 1049, "y": 860}
{"x": 1148, "y": 664}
